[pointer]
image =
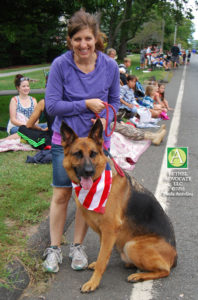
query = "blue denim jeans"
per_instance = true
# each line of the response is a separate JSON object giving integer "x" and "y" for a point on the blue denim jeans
{"x": 60, "y": 177}
{"x": 14, "y": 129}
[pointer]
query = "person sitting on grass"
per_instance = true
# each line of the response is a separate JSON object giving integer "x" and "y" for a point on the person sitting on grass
{"x": 21, "y": 106}
{"x": 159, "y": 62}
{"x": 160, "y": 99}
{"x": 148, "y": 101}
{"x": 111, "y": 53}
{"x": 33, "y": 122}
{"x": 128, "y": 107}
{"x": 126, "y": 65}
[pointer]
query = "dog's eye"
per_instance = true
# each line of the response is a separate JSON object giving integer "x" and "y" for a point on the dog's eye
{"x": 93, "y": 154}
{"x": 78, "y": 154}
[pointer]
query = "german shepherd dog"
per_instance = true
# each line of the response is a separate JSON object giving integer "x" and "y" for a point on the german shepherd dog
{"x": 133, "y": 219}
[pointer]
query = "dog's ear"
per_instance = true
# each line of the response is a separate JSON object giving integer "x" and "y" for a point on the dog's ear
{"x": 96, "y": 132}
{"x": 67, "y": 134}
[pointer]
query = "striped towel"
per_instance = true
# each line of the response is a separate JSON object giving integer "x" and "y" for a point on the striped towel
{"x": 95, "y": 199}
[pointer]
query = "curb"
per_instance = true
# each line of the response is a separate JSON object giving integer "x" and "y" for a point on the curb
{"x": 36, "y": 245}
{"x": 15, "y": 92}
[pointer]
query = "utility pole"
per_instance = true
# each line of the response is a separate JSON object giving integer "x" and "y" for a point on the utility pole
{"x": 162, "y": 37}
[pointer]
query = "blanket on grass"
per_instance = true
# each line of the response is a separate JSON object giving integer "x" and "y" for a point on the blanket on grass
{"x": 126, "y": 152}
{"x": 14, "y": 145}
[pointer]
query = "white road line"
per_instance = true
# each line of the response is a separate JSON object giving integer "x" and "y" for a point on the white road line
{"x": 143, "y": 290}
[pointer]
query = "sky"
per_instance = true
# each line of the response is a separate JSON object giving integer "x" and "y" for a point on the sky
{"x": 195, "y": 20}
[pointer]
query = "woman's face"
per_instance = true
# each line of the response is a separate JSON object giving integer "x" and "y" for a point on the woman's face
{"x": 83, "y": 43}
{"x": 24, "y": 87}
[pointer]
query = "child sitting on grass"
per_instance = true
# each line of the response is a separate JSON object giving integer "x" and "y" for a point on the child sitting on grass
{"x": 148, "y": 101}
{"x": 159, "y": 97}
{"x": 128, "y": 107}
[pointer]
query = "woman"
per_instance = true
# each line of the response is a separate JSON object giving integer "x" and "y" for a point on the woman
{"x": 33, "y": 123}
{"x": 79, "y": 81}
{"x": 21, "y": 106}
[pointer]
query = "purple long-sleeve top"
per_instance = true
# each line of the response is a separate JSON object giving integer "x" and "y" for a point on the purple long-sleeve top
{"x": 68, "y": 88}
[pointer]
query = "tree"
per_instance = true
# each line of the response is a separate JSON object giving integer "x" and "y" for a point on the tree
{"x": 30, "y": 31}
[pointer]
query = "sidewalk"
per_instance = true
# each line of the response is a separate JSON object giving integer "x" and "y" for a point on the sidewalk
{"x": 15, "y": 92}
{"x": 23, "y": 71}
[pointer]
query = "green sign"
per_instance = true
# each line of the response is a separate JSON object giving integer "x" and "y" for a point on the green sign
{"x": 177, "y": 157}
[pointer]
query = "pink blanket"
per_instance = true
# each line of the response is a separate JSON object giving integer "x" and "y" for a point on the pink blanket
{"x": 14, "y": 145}
{"x": 126, "y": 151}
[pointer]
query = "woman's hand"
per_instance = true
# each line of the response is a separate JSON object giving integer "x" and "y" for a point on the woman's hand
{"x": 102, "y": 120}
{"x": 96, "y": 105}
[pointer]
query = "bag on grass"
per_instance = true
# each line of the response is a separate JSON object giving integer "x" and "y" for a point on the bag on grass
{"x": 38, "y": 139}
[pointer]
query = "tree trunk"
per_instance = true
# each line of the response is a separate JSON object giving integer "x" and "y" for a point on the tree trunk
{"x": 163, "y": 29}
{"x": 124, "y": 30}
{"x": 112, "y": 28}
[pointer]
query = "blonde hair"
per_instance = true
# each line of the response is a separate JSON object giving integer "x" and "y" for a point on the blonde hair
{"x": 81, "y": 20}
{"x": 149, "y": 90}
{"x": 126, "y": 59}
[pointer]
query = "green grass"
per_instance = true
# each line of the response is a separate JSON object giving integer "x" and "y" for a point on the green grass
{"x": 25, "y": 193}
{"x": 7, "y": 83}
{"x": 159, "y": 74}
{"x": 22, "y": 68}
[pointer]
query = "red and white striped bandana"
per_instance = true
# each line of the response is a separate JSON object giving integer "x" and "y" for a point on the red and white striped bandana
{"x": 95, "y": 199}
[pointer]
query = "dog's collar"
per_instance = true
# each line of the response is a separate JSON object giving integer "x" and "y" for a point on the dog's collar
{"x": 95, "y": 198}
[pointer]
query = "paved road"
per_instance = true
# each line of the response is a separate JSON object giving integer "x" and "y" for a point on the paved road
{"x": 14, "y": 92}
{"x": 150, "y": 169}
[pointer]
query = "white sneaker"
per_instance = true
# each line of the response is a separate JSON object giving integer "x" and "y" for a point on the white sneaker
{"x": 53, "y": 257}
{"x": 78, "y": 256}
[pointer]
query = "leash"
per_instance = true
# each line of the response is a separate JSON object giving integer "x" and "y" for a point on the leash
{"x": 107, "y": 105}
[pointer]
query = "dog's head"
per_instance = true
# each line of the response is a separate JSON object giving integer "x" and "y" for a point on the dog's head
{"x": 84, "y": 159}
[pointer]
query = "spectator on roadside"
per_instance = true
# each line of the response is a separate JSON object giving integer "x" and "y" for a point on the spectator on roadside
{"x": 123, "y": 77}
{"x": 126, "y": 65}
{"x": 93, "y": 79}
{"x": 167, "y": 59}
{"x": 111, "y": 53}
{"x": 138, "y": 134}
{"x": 124, "y": 70}
{"x": 175, "y": 55}
{"x": 188, "y": 57}
{"x": 148, "y": 56}
{"x": 21, "y": 106}
{"x": 184, "y": 56}
{"x": 127, "y": 98}
{"x": 142, "y": 58}
{"x": 38, "y": 114}
{"x": 158, "y": 61}
{"x": 159, "y": 98}
{"x": 148, "y": 102}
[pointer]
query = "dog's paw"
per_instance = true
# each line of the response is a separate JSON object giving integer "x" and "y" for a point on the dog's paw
{"x": 88, "y": 287}
{"x": 92, "y": 265}
{"x": 135, "y": 278}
